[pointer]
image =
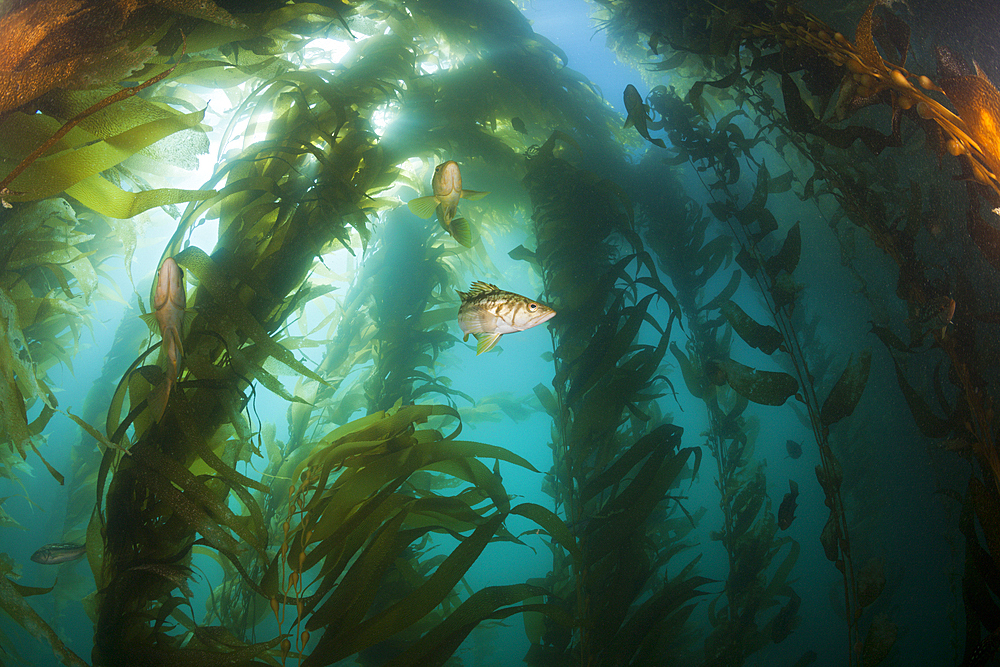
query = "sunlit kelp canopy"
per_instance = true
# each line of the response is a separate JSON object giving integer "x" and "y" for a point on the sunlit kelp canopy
{"x": 685, "y": 329}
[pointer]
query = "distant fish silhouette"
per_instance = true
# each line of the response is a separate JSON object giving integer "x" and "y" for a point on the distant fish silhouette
{"x": 794, "y": 449}
{"x": 786, "y": 513}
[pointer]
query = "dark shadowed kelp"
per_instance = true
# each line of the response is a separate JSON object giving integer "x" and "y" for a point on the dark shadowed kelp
{"x": 803, "y": 54}
{"x": 679, "y": 236}
{"x": 609, "y": 481}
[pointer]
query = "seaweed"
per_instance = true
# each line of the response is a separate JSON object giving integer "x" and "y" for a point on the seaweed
{"x": 615, "y": 462}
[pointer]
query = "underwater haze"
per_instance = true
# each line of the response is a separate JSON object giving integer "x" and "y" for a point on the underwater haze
{"x": 283, "y": 385}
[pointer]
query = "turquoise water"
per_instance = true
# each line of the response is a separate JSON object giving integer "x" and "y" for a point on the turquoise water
{"x": 903, "y": 487}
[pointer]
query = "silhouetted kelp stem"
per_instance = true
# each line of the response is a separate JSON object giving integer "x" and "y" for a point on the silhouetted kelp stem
{"x": 408, "y": 278}
{"x": 607, "y": 479}
{"x": 141, "y": 489}
{"x": 678, "y": 235}
{"x": 772, "y": 276}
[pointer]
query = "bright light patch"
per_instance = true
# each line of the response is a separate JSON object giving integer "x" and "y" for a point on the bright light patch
{"x": 325, "y": 50}
{"x": 383, "y": 116}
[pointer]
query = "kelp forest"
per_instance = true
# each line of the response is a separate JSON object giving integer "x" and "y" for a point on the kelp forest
{"x": 758, "y": 430}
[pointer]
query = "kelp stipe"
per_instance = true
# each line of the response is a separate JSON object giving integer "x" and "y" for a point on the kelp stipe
{"x": 785, "y": 41}
{"x": 355, "y": 518}
{"x": 742, "y": 623}
{"x": 610, "y": 579}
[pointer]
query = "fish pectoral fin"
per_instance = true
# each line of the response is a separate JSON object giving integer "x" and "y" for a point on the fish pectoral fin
{"x": 423, "y": 206}
{"x": 629, "y": 122}
{"x": 461, "y": 231}
{"x": 473, "y": 195}
{"x": 151, "y": 322}
{"x": 486, "y": 342}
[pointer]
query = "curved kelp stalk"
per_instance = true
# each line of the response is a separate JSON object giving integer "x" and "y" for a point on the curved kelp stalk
{"x": 352, "y": 529}
{"x": 286, "y": 200}
{"x": 680, "y": 240}
{"x": 14, "y": 605}
{"x": 614, "y": 484}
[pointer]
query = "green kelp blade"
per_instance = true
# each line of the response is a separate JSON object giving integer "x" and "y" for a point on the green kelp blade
{"x": 12, "y": 602}
{"x": 659, "y": 441}
{"x": 48, "y": 176}
{"x": 764, "y": 337}
{"x": 847, "y": 392}
{"x": 547, "y": 399}
{"x": 727, "y": 292}
{"x": 781, "y": 574}
{"x": 927, "y": 421}
{"x": 692, "y": 378}
{"x": 416, "y": 605}
{"x": 555, "y": 526}
{"x": 632, "y": 506}
{"x": 493, "y": 602}
{"x": 670, "y": 602}
{"x": 788, "y": 257}
{"x": 764, "y": 387}
{"x": 95, "y": 434}
{"x": 212, "y": 278}
{"x": 105, "y": 197}
{"x": 351, "y": 599}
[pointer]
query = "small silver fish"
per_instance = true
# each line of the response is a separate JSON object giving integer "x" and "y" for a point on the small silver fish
{"x": 447, "y": 186}
{"x": 487, "y": 312}
{"x": 62, "y": 552}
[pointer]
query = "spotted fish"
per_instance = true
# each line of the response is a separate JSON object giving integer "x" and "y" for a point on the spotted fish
{"x": 487, "y": 312}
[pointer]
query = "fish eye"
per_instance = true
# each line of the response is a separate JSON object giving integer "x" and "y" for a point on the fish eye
{"x": 532, "y": 306}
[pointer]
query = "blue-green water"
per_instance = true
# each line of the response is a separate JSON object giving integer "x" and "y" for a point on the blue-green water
{"x": 911, "y": 511}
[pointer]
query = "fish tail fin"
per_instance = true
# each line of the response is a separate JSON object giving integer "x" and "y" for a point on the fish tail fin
{"x": 158, "y": 398}
{"x": 486, "y": 342}
{"x": 462, "y": 231}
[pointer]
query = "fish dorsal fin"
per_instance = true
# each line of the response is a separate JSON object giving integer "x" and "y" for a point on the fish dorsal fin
{"x": 479, "y": 287}
{"x": 423, "y": 206}
{"x": 486, "y": 342}
{"x": 473, "y": 195}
